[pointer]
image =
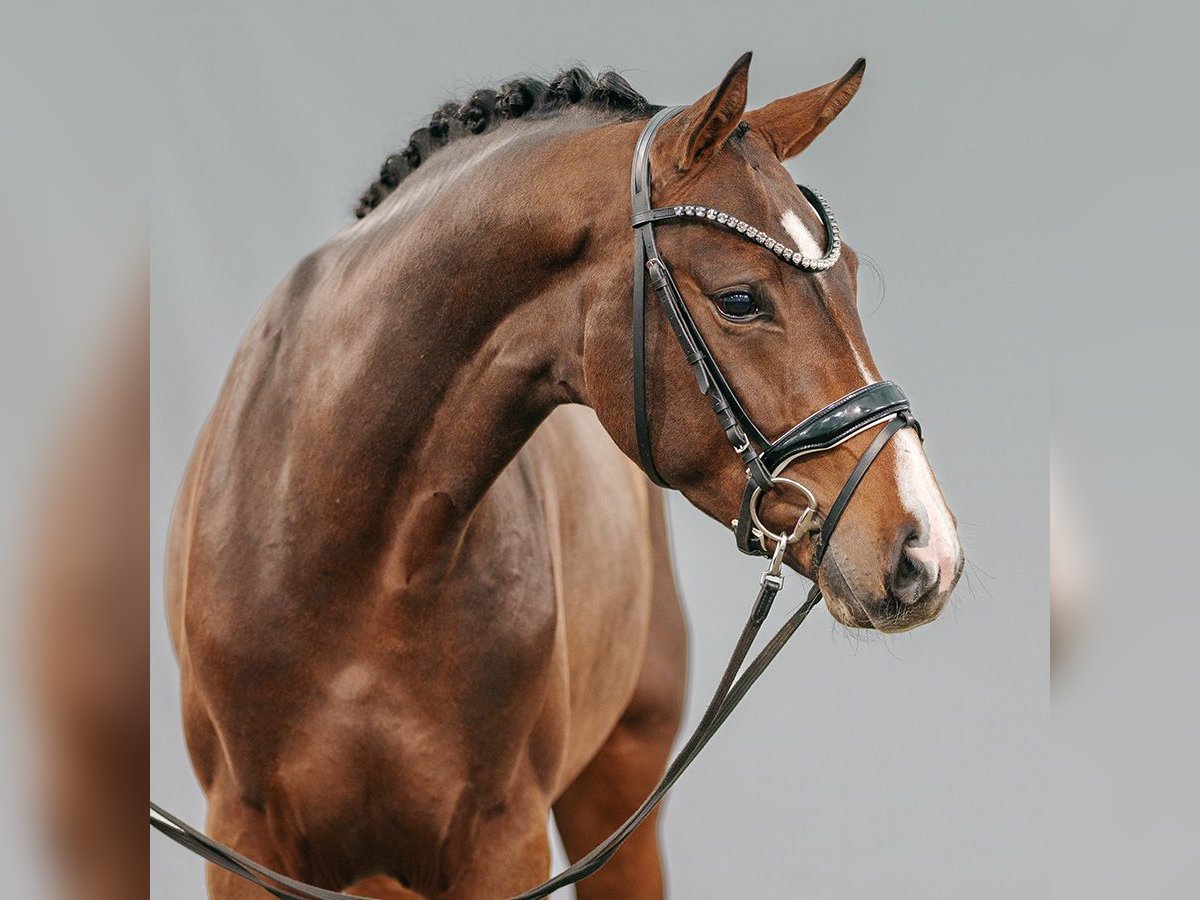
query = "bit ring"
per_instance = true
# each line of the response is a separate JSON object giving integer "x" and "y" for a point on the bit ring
{"x": 805, "y": 517}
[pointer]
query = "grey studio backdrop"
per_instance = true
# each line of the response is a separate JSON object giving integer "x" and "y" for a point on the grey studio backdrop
{"x": 860, "y": 766}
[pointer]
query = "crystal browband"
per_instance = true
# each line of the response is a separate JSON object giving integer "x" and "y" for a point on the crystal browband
{"x": 833, "y": 237}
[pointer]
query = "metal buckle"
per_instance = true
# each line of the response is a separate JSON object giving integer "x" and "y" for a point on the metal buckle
{"x": 773, "y": 577}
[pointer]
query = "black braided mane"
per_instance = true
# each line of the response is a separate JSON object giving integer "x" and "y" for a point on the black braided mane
{"x": 521, "y": 97}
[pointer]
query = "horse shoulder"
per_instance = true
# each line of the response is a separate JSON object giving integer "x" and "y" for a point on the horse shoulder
{"x": 606, "y": 557}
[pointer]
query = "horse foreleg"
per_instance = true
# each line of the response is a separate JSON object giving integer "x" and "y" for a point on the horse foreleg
{"x": 510, "y": 852}
{"x": 630, "y": 763}
{"x": 243, "y": 828}
{"x": 611, "y": 787}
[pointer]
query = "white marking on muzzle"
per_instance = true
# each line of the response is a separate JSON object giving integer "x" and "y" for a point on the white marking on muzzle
{"x": 924, "y": 501}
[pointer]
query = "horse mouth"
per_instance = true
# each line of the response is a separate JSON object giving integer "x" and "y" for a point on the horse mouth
{"x": 883, "y": 615}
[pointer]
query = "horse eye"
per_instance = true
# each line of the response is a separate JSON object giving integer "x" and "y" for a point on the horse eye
{"x": 738, "y": 306}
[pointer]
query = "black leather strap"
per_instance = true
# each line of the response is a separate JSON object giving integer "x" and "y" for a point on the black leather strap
{"x": 740, "y": 430}
{"x": 729, "y": 412}
{"x": 828, "y": 427}
{"x": 643, "y": 249}
{"x": 819, "y": 208}
{"x": 659, "y": 214}
{"x": 744, "y": 534}
{"x": 902, "y": 420}
{"x": 232, "y": 861}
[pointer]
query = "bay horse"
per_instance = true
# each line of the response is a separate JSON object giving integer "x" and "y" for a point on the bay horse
{"x": 420, "y": 593}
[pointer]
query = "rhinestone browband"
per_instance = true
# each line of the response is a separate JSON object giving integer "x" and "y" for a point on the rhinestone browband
{"x": 795, "y": 257}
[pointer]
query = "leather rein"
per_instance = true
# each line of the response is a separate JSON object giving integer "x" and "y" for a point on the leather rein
{"x": 765, "y": 462}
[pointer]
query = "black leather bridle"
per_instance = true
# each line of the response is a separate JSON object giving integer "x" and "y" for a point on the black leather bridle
{"x": 763, "y": 458}
{"x": 765, "y": 461}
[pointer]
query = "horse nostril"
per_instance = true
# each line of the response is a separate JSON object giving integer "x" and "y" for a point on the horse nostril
{"x": 915, "y": 572}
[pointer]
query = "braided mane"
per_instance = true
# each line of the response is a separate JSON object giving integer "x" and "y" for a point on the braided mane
{"x": 486, "y": 108}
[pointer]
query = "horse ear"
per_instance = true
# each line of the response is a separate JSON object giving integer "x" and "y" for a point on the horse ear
{"x": 791, "y": 123}
{"x": 704, "y": 126}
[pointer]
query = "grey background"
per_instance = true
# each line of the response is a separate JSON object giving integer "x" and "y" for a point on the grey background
{"x": 1120, "y": 230}
{"x": 72, "y": 242}
{"x": 861, "y": 766}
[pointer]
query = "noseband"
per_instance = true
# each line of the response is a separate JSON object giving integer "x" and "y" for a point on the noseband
{"x": 765, "y": 461}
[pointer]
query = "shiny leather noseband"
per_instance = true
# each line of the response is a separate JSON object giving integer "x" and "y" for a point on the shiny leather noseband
{"x": 763, "y": 458}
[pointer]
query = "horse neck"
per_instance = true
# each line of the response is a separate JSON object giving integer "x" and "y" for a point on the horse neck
{"x": 475, "y": 315}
